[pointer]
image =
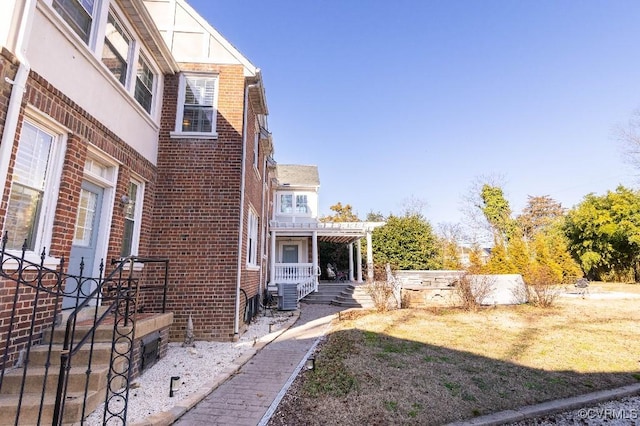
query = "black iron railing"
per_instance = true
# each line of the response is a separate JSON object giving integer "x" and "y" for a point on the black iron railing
{"x": 31, "y": 300}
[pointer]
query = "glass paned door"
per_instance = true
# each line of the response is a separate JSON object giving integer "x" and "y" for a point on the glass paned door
{"x": 84, "y": 246}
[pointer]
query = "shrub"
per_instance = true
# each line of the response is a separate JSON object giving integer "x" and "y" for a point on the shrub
{"x": 381, "y": 293}
{"x": 471, "y": 290}
{"x": 542, "y": 286}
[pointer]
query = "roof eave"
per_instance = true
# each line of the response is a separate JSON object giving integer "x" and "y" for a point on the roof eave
{"x": 137, "y": 13}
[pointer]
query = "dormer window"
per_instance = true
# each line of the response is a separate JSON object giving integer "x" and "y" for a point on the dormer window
{"x": 302, "y": 205}
{"x": 292, "y": 203}
{"x": 286, "y": 203}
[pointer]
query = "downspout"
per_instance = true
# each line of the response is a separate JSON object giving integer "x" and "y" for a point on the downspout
{"x": 263, "y": 228}
{"x": 18, "y": 89}
{"x": 236, "y": 320}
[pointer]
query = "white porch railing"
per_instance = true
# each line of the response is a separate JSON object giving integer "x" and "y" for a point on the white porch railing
{"x": 303, "y": 274}
{"x": 307, "y": 287}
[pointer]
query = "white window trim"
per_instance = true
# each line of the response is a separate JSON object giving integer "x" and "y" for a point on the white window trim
{"x": 178, "y": 133}
{"x": 252, "y": 234}
{"x": 51, "y": 191}
{"x": 294, "y": 195}
{"x": 93, "y": 53}
{"x": 109, "y": 185}
{"x": 137, "y": 214}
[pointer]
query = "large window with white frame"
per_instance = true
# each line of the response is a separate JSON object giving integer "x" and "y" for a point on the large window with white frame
{"x": 197, "y": 105}
{"x": 145, "y": 80}
{"x": 79, "y": 15}
{"x": 117, "y": 46}
{"x": 132, "y": 217}
{"x": 116, "y": 51}
{"x": 252, "y": 239}
{"x": 34, "y": 187}
{"x": 292, "y": 203}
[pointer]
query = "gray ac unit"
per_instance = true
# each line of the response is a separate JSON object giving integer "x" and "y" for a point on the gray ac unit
{"x": 287, "y": 296}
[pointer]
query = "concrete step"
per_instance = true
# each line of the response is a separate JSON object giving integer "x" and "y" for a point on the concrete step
{"x": 318, "y": 300}
{"x": 30, "y": 405}
{"x": 103, "y": 334}
{"x": 354, "y": 298}
{"x": 33, "y": 382}
{"x": 101, "y": 354}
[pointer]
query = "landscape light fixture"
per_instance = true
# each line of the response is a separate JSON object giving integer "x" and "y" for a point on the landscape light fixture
{"x": 171, "y": 382}
{"x": 310, "y": 363}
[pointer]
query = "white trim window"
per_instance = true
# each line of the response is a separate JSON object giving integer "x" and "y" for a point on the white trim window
{"x": 286, "y": 203}
{"x": 302, "y": 204}
{"x": 80, "y": 15}
{"x": 132, "y": 218}
{"x": 252, "y": 239}
{"x": 34, "y": 187}
{"x": 287, "y": 206}
{"x": 117, "y": 48}
{"x": 197, "y": 106}
{"x": 112, "y": 40}
{"x": 144, "y": 88}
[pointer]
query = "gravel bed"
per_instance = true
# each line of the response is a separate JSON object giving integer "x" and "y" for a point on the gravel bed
{"x": 149, "y": 393}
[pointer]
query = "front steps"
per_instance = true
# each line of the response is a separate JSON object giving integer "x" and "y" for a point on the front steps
{"x": 347, "y": 294}
{"x": 38, "y": 378}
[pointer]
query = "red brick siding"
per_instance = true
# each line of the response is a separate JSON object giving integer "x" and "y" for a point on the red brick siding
{"x": 84, "y": 130}
{"x": 197, "y": 210}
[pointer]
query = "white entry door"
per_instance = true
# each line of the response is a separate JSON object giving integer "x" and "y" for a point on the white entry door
{"x": 84, "y": 248}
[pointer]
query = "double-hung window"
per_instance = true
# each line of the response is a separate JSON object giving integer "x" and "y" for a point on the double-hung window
{"x": 36, "y": 173}
{"x": 143, "y": 92}
{"x": 116, "y": 50}
{"x": 132, "y": 211}
{"x": 197, "y": 105}
{"x": 252, "y": 239}
{"x": 294, "y": 203}
{"x": 302, "y": 206}
{"x": 286, "y": 203}
{"x": 121, "y": 51}
{"x": 79, "y": 14}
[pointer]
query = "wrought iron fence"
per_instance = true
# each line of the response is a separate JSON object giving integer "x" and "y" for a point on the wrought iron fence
{"x": 32, "y": 320}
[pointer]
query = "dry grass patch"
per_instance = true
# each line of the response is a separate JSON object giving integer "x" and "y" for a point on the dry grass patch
{"x": 441, "y": 365}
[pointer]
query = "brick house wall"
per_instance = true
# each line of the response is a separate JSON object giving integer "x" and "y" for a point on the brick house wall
{"x": 197, "y": 210}
{"x": 84, "y": 130}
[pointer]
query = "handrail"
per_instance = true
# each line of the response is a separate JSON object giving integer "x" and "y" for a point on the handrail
{"x": 68, "y": 349}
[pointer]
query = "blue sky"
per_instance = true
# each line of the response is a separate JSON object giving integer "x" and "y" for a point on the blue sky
{"x": 418, "y": 99}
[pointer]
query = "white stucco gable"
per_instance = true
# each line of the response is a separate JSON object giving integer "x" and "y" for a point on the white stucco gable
{"x": 191, "y": 38}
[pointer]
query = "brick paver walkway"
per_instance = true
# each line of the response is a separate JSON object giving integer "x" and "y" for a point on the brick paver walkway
{"x": 245, "y": 398}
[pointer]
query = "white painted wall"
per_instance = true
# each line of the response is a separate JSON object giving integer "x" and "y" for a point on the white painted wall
{"x": 191, "y": 38}
{"x": 83, "y": 78}
{"x": 8, "y": 8}
{"x": 312, "y": 203}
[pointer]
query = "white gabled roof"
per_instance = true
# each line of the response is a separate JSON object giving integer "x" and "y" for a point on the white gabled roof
{"x": 191, "y": 38}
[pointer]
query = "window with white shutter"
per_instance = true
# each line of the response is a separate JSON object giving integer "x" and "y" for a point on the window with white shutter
{"x": 197, "y": 106}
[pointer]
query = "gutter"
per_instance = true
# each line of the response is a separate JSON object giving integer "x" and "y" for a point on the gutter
{"x": 18, "y": 89}
{"x": 236, "y": 319}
